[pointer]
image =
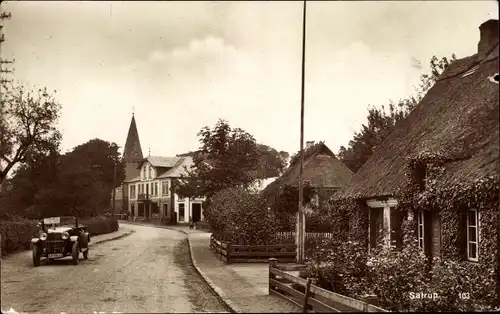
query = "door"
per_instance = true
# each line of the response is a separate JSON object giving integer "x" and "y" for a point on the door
{"x": 376, "y": 226}
{"x": 181, "y": 213}
{"x": 141, "y": 210}
{"x": 196, "y": 209}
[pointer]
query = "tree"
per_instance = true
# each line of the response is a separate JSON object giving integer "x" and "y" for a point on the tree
{"x": 85, "y": 179}
{"x": 31, "y": 177}
{"x": 77, "y": 183}
{"x": 27, "y": 127}
{"x": 272, "y": 163}
{"x": 381, "y": 122}
{"x": 227, "y": 158}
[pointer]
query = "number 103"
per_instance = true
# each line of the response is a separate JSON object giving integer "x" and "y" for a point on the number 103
{"x": 464, "y": 295}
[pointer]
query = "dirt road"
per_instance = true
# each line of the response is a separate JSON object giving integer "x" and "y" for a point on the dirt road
{"x": 148, "y": 271}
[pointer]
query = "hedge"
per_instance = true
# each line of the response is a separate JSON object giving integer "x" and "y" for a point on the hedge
{"x": 239, "y": 217}
{"x": 17, "y": 233}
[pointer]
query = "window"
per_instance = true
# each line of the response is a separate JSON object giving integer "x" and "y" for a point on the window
{"x": 164, "y": 188}
{"x": 132, "y": 191}
{"x": 156, "y": 188}
{"x": 472, "y": 235}
{"x": 181, "y": 212}
{"x": 420, "y": 221}
{"x": 144, "y": 173}
{"x": 421, "y": 175}
{"x": 149, "y": 172}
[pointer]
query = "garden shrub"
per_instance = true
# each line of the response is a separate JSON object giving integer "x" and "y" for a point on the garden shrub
{"x": 100, "y": 225}
{"x": 394, "y": 275}
{"x": 239, "y": 217}
{"x": 461, "y": 286}
{"x": 16, "y": 235}
{"x": 339, "y": 266}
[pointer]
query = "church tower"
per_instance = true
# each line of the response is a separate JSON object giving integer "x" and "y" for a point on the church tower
{"x": 132, "y": 153}
{"x": 132, "y": 156}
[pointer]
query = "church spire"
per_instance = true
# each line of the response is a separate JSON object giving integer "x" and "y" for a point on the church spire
{"x": 132, "y": 150}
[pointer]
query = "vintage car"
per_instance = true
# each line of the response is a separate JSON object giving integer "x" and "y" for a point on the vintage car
{"x": 59, "y": 237}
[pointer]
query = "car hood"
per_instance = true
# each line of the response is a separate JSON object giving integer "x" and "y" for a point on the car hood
{"x": 59, "y": 229}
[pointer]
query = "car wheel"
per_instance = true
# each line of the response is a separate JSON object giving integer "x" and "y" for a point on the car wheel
{"x": 36, "y": 255}
{"x": 75, "y": 253}
{"x": 86, "y": 254}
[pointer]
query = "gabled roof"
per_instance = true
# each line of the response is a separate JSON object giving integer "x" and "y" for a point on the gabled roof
{"x": 459, "y": 117}
{"x": 178, "y": 168}
{"x": 160, "y": 161}
{"x": 321, "y": 169}
{"x": 132, "y": 150}
{"x": 175, "y": 169}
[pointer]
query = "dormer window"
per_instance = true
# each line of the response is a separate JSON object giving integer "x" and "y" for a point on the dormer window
{"x": 421, "y": 175}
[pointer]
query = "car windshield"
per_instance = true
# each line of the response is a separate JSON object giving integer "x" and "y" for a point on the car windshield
{"x": 59, "y": 221}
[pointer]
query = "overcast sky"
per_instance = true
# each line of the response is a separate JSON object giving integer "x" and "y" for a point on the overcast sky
{"x": 183, "y": 65}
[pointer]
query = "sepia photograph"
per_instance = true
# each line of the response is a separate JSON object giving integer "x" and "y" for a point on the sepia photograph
{"x": 249, "y": 156}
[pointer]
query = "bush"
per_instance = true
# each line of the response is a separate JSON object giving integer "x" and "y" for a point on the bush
{"x": 16, "y": 235}
{"x": 203, "y": 225}
{"x": 17, "y": 232}
{"x": 395, "y": 274}
{"x": 461, "y": 286}
{"x": 100, "y": 225}
{"x": 339, "y": 266}
{"x": 238, "y": 217}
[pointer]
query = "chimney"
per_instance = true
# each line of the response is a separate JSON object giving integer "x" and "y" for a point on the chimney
{"x": 488, "y": 37}
{"x": 309, "y": 144}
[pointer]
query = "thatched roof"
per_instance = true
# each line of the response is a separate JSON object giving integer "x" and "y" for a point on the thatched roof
{"x": 321, "y": 170}
{"x": 458, "y": 117}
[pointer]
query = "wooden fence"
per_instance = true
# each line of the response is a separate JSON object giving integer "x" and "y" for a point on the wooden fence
{"x": 230, "y": 253}
{"x": 283, "y": 285}
{"x": 289, "y": 236}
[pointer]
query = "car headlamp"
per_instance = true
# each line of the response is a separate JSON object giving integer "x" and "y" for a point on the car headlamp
{"x": 65, "y": 235}
{"x": 43, "y": 236}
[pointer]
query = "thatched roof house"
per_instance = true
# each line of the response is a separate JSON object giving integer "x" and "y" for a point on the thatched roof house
{"x": 441, "y": 164}
{"x": 321, "y": 170}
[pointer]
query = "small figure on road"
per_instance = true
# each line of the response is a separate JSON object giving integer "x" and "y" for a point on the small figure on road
{"x": 191, "y": 224}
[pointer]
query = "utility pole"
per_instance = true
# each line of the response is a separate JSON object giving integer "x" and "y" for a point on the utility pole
{"x": 4, "y": 16}
{"x": 300, "y": 232}
{"x": 114, "y": 187}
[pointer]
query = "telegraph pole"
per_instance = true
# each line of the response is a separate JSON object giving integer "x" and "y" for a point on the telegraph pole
{"x": 4, "y": 16}
{"x": 114, "y": 187}
{"x": 300, "y": 232}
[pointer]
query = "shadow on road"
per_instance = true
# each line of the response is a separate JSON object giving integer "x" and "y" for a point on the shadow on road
{"x": 203, "y": 298}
